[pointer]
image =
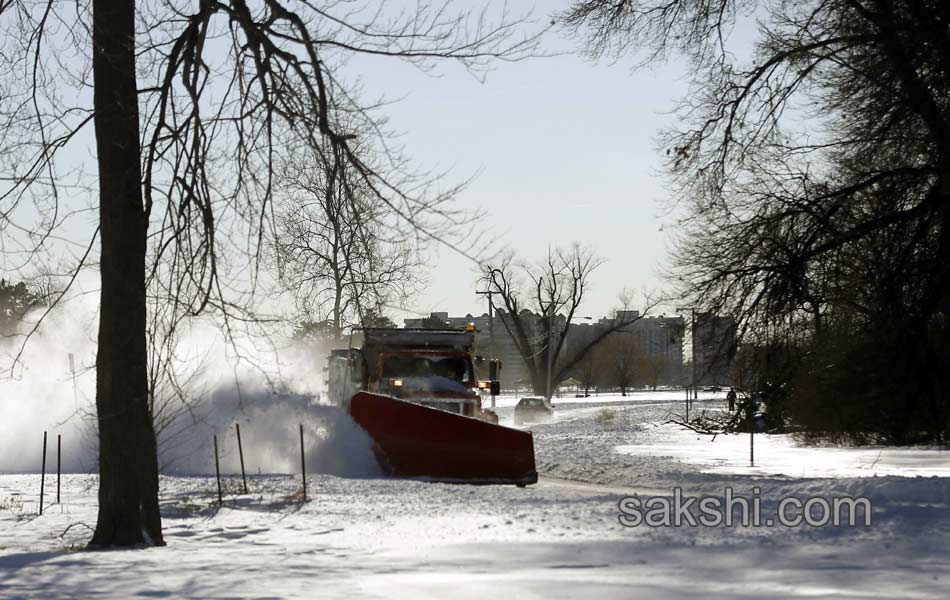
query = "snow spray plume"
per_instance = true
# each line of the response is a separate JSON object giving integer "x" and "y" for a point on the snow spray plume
{"x": 52, "y": 387}
{"x": 269, "y": 434}
{"x": 217, "y": 383}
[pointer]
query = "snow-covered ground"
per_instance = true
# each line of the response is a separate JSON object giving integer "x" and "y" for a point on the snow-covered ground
{"x": 780, "y": 455}
{"x": 562, "y": 538}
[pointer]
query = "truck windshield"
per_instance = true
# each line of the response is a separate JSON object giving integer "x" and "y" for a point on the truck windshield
{"x": 456, "y": 367}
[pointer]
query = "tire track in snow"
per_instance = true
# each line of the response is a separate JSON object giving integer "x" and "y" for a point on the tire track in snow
{"x": 598, "y": 489}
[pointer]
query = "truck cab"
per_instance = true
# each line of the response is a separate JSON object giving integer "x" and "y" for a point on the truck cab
{"x": 440, "y": 379}
{"x": 431, "y": 367}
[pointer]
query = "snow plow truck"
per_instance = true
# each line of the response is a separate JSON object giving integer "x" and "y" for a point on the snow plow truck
{"x": 415, "y": 392}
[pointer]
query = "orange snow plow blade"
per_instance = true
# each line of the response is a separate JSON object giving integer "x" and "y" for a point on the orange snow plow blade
{"x": 418, "y": 441}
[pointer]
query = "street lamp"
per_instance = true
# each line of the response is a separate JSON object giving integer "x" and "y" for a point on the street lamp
{"x": 692, "y": 366}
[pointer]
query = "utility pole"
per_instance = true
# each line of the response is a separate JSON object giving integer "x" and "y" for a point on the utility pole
{"x": 549, "y": 323}
{"x": 491, "y": 332}
{"x": 491, "y": 320}
{"x": 547, "y": 387}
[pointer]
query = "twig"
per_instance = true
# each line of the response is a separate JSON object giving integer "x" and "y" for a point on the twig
{"x": 71, "y": 525}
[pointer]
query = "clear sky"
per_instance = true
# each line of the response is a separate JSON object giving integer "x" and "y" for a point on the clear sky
{"x": 565, "y": 151}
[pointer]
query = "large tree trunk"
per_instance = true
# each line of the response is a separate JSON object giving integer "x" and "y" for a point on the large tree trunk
{"x": 128, "y": 461}
{"x": 539, "y": 383}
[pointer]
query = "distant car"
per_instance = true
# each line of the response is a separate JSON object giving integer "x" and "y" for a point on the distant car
{"x": 533, "y": 410}
{"x": 712, "y": 388}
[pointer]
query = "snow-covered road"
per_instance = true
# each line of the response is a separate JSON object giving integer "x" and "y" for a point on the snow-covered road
{"x": 383, "y": 538}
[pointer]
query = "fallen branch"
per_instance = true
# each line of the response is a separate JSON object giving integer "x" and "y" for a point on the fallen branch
{"x": 707, "y": 425}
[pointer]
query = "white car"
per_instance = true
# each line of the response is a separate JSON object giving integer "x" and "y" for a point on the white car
{"x": 533, "y": 410}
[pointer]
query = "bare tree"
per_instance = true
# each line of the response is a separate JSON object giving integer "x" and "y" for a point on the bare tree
{"x": 335, "y": 246}
{"x": 814, "y": 170}
{"x": 589, "y": 369}
{"x": 192, "y": 107}
{"x": 540, "y": 303}
{"x": 652, "y": 369}
{"x": 622, "y": 358}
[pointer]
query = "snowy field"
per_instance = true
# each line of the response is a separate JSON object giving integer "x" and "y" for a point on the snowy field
{"x": 381, "y": 538}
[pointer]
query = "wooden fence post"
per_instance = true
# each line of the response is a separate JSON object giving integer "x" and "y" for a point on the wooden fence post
{"x": 59, "y": 457}
{"x": 303, "y": 465}
{"x": 43, "y": 473}
{"x": 237, "y": 426}
{"x": 217, "y": 469}
{"x": 751, "y": 438}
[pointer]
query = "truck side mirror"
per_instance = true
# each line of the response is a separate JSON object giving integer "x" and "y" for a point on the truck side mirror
{"x": 495, "y": 387}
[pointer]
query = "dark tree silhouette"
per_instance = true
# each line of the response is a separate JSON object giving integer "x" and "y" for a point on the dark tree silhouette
{"x": 433, "y": 322}
{"x": 622, "y": 361}
{"x": 128, "y": 455}
{"x": 375, "y": 318}
{"x": 15, "y": 301}
{"x": 814, "y": 172}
